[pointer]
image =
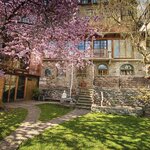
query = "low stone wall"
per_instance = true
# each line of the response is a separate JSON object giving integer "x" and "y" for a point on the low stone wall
{"x": 54, "y": 93}
{"x": 121, "y": 82}
{"x": 137, "y": 111}
{"x": 114, "y": 97}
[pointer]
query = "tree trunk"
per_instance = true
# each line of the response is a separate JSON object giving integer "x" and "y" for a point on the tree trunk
{"x": 71, "y": 83}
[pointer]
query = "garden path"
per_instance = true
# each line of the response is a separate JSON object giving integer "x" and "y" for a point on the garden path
{"x": 31, "y": 126}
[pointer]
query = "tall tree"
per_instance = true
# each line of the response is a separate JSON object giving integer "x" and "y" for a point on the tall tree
{"x": 130, "y": 18}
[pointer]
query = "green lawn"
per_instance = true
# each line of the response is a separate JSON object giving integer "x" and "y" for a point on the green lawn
{"x": 50, "y": 111}
{"x": 10, "y": 120}
{"x": 95, "y": 132}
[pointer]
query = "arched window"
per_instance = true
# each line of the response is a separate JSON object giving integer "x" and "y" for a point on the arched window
{"x": 48, "y": 72}
{"x": 102, "y": 69}
{"x": 126, "y": 69}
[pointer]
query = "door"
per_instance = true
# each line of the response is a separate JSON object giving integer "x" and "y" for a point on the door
{"x": 21, "y": 87}
{"x": 32, "y": 83}
{"x": 9, "y": 88}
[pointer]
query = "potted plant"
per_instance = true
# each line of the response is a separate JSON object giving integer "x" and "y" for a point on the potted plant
{"x": 36, "y": 94}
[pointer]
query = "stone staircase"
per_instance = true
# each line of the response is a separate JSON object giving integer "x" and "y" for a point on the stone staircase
{"x": 85, "y": 99}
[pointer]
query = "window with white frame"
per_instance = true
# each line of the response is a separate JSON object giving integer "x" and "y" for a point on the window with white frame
{"x": 126, "y": 69}
{"x": 100, "y": 44}
{"x": 87, "y": 1}
{"x": 122, "y": 49}
{"x": 102, "y": 70}
{"x": 84, "y": 45}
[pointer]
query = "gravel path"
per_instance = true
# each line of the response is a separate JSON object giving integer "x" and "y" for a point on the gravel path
{"x": 31, "y": 126}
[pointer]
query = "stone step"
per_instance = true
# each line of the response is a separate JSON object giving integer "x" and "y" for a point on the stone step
{"x": 83, "y": 104}
{"x": 83, "y": 107}
{"x": 86, "y": 94}
{"x": 84, "y": 101}
{"x": 86, "y": 91}
{"x": 83, "y": 93}
{"x": 85, "y": 98}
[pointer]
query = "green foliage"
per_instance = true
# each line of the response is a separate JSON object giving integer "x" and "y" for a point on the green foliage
{"x": 10, "y": 120}
{"x": 95, "y": 131}
{"x": 50, "y": 111}
{"x": 36, "y": 93}
{"x": 143, "y": 96}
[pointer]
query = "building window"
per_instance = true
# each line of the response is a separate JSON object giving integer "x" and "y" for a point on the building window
{"x": 84, "y": 1}
{"x": 100, "y": 48}
{"x": 25, "y": 20}
{"x": 122, "y": 49}
{"x": 100, "y": 44}
{"x": 87, "y": 1}
{"x": 102, "y": 69}
{"x": 84, "y": 45}
{"x": 48, "y": 72}
{"x": 94, "y": 1}
{"x": 126, "y": 69}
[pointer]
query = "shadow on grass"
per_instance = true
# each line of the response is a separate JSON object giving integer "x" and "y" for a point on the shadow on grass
{"x": 96, "y": 132}
{"x": 10, "y": 120}
{"x": 50, "y": 111}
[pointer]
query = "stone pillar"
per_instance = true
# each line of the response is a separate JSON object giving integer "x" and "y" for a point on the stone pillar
{"x": 109, "y": 54}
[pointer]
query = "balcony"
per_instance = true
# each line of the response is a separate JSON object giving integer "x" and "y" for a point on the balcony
{"x": 100, "y": 53}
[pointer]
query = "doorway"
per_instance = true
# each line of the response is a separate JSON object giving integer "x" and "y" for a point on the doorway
{"x": 32, "y": 84}
{"x": 21, "y": 88}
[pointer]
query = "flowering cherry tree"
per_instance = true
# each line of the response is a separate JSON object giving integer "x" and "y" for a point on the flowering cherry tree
{"x": 48, "y": 27}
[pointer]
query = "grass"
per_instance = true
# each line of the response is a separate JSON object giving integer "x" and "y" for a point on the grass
{"x": 10, "y": 120}
{"x": 50, "y": 111}
{"x": 95, "y": 132}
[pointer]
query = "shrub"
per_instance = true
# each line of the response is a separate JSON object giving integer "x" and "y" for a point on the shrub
{"x": 143, "y": 97}
{"x": 36, "y": 94}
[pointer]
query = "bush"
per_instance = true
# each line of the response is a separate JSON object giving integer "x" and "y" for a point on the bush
{"x": 143, "y": 97}
{"x": 36, "y": 93}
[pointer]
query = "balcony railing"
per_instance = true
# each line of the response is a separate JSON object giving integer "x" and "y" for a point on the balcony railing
{"x": 101, "y": 53}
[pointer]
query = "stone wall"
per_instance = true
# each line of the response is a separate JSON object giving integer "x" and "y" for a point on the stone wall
{"x": 121, "y": 82}
{"x": 112, "y": 80}
{"x": 55, "y": 93}
{"x": 64, "y": 81}
{"x": 115, "y": 64}
{"x": 115, "y": 97}
{"x": 55, "y": 79}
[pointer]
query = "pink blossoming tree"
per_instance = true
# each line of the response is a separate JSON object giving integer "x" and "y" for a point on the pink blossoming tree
{"x": 44, "y": 27}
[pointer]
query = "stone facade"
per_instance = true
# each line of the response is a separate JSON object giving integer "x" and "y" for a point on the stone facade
{"x": 56, "y": 83}
{"x": 115, "y": 86}
{"x": 121, "y": 82}
{"x": 114, "y": 97}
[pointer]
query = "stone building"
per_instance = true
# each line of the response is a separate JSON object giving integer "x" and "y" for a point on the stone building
{"x": 116, "y": 70}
